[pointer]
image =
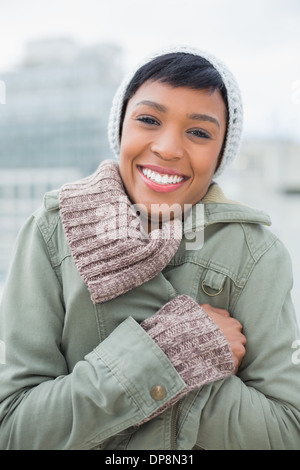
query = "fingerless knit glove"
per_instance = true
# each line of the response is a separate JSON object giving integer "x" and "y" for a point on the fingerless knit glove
{"x": 192, "y": 341}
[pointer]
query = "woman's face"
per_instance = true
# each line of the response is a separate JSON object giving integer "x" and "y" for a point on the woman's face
{"x": 170, "y": 144}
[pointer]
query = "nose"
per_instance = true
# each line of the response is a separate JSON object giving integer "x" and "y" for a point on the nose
{"x": 168, "y": 145}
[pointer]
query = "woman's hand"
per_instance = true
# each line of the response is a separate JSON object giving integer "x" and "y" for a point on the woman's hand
{"x": 232, "y": 330}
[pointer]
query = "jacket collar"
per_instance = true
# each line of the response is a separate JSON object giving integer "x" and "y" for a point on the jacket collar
{"x": 215, "y": 207}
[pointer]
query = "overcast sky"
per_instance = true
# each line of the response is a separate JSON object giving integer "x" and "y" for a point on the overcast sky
{"x": 258, "y": 39}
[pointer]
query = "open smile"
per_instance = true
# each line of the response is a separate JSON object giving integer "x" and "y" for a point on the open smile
{"x": 161, "y": 179}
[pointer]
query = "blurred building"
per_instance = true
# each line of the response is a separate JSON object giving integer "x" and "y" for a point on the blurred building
{"x": 53, "y": 127}
{"x": 276, "y": 161}
{"x": 57, "y": 104}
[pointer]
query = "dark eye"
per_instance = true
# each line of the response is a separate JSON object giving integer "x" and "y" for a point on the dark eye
{"x": 148, "y": 120}
{"x": 199, "y": 133}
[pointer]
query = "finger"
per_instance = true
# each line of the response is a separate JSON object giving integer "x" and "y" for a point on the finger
{"x": 209, "y": 309}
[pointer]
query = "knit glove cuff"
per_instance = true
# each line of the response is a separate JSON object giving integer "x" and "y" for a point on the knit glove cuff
{"x": 192, "y": 341}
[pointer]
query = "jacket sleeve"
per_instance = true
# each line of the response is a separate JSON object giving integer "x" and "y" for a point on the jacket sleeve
{"x": 260, "y": 407}
{"x": 42, "y": 404}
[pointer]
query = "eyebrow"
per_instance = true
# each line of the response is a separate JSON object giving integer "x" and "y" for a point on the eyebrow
{"x": 153, "y": 104}
{"x": 193, "y": 116}
{"x": 203, "y": 117}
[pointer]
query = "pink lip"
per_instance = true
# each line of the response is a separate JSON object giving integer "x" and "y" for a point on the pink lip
{"x": 166, "y": 188}
{"x": 163, "y": 171}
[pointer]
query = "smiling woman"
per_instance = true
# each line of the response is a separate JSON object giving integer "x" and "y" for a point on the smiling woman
{"x": 120, "y": 335}
{"x": 173, "y": 132}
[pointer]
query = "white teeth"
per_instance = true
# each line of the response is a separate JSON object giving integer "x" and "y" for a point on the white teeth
{"x": 161, "y": 179}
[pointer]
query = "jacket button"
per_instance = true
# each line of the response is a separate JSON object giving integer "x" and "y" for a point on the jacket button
{"x": 158, "y": 392}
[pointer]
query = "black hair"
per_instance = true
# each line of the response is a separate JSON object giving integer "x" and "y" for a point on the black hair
{"x": 178, "y": 69}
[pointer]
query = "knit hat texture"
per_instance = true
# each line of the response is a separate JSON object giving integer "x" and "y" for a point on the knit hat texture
{"x": 112, "y": 252}
{"x": 235, "y": 107}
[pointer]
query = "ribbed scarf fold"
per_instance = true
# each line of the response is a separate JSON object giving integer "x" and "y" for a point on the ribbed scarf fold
{"x": 111, "y": 251}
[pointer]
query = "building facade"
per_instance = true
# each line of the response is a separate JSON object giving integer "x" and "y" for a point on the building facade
{"x": 53, "y": 125}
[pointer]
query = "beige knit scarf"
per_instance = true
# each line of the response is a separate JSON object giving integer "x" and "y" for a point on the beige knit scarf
{"x": 112, "y": 252}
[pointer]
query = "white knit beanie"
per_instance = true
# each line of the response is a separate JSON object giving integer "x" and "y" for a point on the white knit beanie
{"x": 235, "y": 107}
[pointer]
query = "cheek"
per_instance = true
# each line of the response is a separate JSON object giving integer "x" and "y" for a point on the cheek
{"x": 124, "y": 146}
{"x": 129, "y": 146}
{"x": 128, "y": 152}
{"x": 205, "y": 161}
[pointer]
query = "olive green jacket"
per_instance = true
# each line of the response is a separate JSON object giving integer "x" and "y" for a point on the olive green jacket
{"x": 78, "y": 375}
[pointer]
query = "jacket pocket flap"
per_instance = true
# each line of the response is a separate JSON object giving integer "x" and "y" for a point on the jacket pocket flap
{"x": 213, "y": 283}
